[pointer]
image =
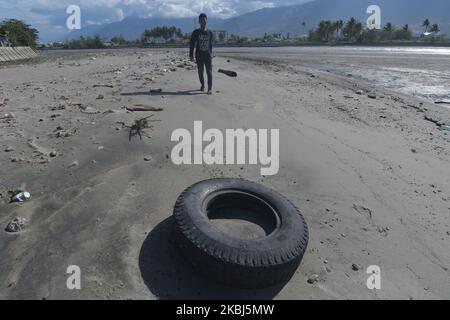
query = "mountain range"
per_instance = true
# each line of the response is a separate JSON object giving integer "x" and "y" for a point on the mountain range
{"x": 290, "y": 19}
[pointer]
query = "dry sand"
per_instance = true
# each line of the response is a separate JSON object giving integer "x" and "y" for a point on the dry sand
{"x": 371, "y": 176}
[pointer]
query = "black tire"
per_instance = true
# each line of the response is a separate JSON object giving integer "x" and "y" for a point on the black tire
{"x": 250, "y": 264}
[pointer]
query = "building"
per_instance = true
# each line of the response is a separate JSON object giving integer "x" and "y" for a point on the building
{"x": 220, "y": 36}
{"x": 4, "y": 41}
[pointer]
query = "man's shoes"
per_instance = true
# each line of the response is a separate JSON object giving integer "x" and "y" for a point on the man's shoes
{"x": 202, "y": 89}
{"x": 209, "y": 92}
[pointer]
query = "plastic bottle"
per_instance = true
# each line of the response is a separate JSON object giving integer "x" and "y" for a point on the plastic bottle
{"x": 20, "y": 196}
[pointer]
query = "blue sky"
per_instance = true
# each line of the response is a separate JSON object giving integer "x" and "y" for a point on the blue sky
{"x": 49, "y": 16}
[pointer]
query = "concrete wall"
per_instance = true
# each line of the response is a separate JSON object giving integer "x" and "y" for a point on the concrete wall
{"x": 16, "y": 53}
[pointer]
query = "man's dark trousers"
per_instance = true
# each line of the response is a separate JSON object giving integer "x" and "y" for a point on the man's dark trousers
{"x": 202, "y": 62}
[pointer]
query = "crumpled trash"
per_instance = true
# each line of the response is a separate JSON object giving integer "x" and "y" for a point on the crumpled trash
{"x": 17, "y": 225}
{"x": 20, "y": 196}
{"x": 445, "y": 127}
{"x": 8, "y": 116}
{"x": 4, "y": 103}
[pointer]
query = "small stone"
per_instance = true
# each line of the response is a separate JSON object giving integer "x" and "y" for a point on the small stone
{"x": 359, "y": 92}
{"x": 413, "y": 150}
{"x": 53, "y": 154}
{"x": 148, "y": 158}
{"x": 100, "y": 97}
{"x": 9, "y": 149}
{"x": 17, "y": 225}
{"x": 313, "y": 279}
{"x": 101, "y": 147}
{"x": 372, "y": 96}
{"x": 74, "y": 164}
{"x": 355, "y": 267}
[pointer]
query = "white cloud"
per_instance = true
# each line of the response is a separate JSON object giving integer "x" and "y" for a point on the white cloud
{"x": 46, "y": 15}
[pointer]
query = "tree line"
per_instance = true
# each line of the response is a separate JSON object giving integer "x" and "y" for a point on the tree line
{"x": 354, "y": 31}
{"x": 19, "y": 33}
{"x": 169, "y": 34}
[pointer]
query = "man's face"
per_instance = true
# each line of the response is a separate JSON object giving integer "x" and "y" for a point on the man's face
{"x": 203, "y": 22}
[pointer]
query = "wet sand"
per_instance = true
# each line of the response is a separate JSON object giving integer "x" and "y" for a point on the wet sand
{"x": 370, "y": 174}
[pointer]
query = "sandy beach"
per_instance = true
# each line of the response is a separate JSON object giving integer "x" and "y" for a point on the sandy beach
{"x": 367, "y": 167}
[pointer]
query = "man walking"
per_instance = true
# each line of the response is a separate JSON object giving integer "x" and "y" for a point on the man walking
{"x": 202, "y": 40}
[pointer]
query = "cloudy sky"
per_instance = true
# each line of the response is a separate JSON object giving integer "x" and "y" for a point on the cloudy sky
{"x": 49, "y": 16}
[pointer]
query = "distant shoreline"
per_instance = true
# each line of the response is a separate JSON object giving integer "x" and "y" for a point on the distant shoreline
{"x": 277, "y": 45}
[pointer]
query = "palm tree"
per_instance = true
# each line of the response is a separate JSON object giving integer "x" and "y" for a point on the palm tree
{"x": 388, "y": 29}
{"x": 435, "y": 28}
{"x": 352, "y": 30}
{"x": 426, "y": 24}
{"x": 339, "y": 25}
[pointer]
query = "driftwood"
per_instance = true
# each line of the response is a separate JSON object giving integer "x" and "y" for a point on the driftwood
{"x": 144, "y": 107}
{"x": 228, "y": 73}
{"x": 136, "y": 129}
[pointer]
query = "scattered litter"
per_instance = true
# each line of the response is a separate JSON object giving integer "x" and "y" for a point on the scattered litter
{"x": 435, "y": 121}
{"x": 61, "y": 133}
{"x": 110, "y": 111}
{"x": 20, "y": 196}
{"x": 76, "y": 104}
{"x": 101, "y": 147}
{"x": 148, "y": 158}
{"x": 139, "y": 125}
{"x": 144, "y": 107}
{"x": 89, "y": 110}
{"x": 445, "y": 101}
{"x": 228, "y": 73}
{"x": 74, "y": 164}
{"x": 363, "y": 210}
{"x": 17, "y": 225}
{"x": 64, "y": 98}
{"x": 8, "y": 116}
{"x": 5, "y": 101}
{"x": 99, "y": 85}
{"x": 445, "y": 127}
